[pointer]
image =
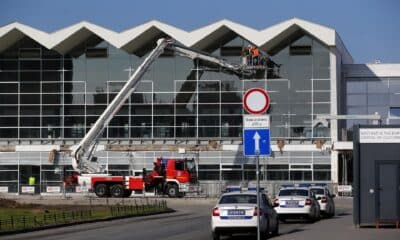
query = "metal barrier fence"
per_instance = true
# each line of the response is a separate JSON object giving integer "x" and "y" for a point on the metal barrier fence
{"x": 128, "y": 210}
{"x": 214, "y": 188}
{"x": 58, "y": 217}
{"x": 47, "y": 219}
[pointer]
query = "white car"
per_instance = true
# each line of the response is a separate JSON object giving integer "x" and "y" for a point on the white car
{"x": 297, "y": 202}
{"x": 325, "y": 200}
{"x": 236, "y": 212}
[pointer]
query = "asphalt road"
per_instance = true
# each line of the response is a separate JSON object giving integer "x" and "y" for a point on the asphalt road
{"x": 190, "y": 221}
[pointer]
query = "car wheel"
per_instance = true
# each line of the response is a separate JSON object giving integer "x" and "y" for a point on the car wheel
{"x": 215, "y": 236}
{"x": 276, "y": 229}
{"x": 332, "y": 213}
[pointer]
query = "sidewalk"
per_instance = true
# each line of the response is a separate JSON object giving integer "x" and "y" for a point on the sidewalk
{"x": 340, "y": 227}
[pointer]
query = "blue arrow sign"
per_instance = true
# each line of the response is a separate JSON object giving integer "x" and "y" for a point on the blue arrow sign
{"x": 256, "y": 142}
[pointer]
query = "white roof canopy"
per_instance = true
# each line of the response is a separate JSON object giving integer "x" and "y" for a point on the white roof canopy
{"x": 133, "y": 39}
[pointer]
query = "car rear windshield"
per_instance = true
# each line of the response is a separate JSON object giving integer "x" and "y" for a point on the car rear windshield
{"x": 293, "y": 192}
{"x": 238, "y": 199}
{"x": 317, "y": 191}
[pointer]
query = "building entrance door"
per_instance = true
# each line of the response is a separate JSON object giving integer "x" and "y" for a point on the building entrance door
{"x": 387, "y": 191}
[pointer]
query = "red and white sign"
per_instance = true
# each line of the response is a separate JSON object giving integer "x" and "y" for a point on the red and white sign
{"x": 256, "y": 101}
{"x": 26, "y": 189}
{"x": 53, "y": 189}
{"x": 3, "y": 189}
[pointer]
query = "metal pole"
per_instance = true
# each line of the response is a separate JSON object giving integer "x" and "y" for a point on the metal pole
{"x": 258, "y": 193}
{"x": 345, "y": 168}
{"x": 64, "y": 183}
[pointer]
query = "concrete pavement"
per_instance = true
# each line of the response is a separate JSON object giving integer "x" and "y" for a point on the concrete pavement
{"x": 340, "y": 227}
{"x": 192, "y": 221}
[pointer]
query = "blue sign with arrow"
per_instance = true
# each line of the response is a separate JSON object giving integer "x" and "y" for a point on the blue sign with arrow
{"x": 256, "y": 142}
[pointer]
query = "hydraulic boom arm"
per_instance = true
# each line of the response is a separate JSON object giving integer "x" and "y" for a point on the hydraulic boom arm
{"x": 88, "y": 143}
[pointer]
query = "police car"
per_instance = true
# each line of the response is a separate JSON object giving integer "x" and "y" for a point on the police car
{"x": 236, "y": 212}
{"x": 325, "y": 199}
{"x": 296, "y": 202}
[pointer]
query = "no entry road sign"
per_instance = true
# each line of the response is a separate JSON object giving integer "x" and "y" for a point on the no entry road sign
{"x": 256, "y": 101}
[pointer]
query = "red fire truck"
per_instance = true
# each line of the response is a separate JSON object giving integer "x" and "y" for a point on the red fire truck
{"x": 170, "y": 176}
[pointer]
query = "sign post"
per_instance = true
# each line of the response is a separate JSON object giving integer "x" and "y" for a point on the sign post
{"x": 256, "y": 135}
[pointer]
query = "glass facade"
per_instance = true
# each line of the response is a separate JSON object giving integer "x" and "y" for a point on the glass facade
{"x": 367, "y": 96}
{"x": 48, "y": 96}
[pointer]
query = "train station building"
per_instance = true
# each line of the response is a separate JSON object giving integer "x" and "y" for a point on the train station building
{"x": 53, "y": 87}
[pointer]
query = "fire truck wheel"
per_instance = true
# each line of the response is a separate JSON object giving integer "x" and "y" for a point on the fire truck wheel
{"x": 172, "y": 190}
{"x": 101, "y": 190}
{"x": 117, "y": 191}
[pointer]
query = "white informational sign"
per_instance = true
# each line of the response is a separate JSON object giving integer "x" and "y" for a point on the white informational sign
{"x": 53, "y": 189}
{"x": 379, "y": 135}
{"x": 3, "y": 189}
{"x": 36, "y": 148}
{"x": 27, "y": 189}
{"x": 255, "y": 121}
{"x": 344, "y": 188}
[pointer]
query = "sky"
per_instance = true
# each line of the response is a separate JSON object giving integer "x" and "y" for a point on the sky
{"x": 370, "y": 29}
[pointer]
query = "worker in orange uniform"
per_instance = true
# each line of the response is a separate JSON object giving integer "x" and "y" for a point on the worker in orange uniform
{"x": 255, "y": 54}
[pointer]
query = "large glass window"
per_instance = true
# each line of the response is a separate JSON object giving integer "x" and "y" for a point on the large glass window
{"x": 278, "y": 172}
{"x": 395, "y": 112}
{"x": 372, "y": 95}
{"x": 322, "y": 172}
{"x": 177, "y": 97}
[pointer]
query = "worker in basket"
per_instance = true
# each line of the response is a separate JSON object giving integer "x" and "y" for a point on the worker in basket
{"x": 246, "y": 55}
{"x": 255, "y": 55}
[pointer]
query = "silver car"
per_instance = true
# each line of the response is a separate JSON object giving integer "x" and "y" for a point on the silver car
{"x": 297, "y": 202}
{"x": 236, "y": 212}
{"x": 325, "y": 200}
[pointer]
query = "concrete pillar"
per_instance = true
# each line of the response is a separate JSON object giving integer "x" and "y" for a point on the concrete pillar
{"x": 335, "y": 77}
{"x": 334, "y": 166}
{"x": 334, "y": 98}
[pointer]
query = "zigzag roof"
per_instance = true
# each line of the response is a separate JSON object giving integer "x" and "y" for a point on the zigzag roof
{"x": 133, "y": 39}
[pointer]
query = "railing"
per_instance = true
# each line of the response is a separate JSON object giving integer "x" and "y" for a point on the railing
{"x": 137, "y": 210}
{"x": 47, "y": 219}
